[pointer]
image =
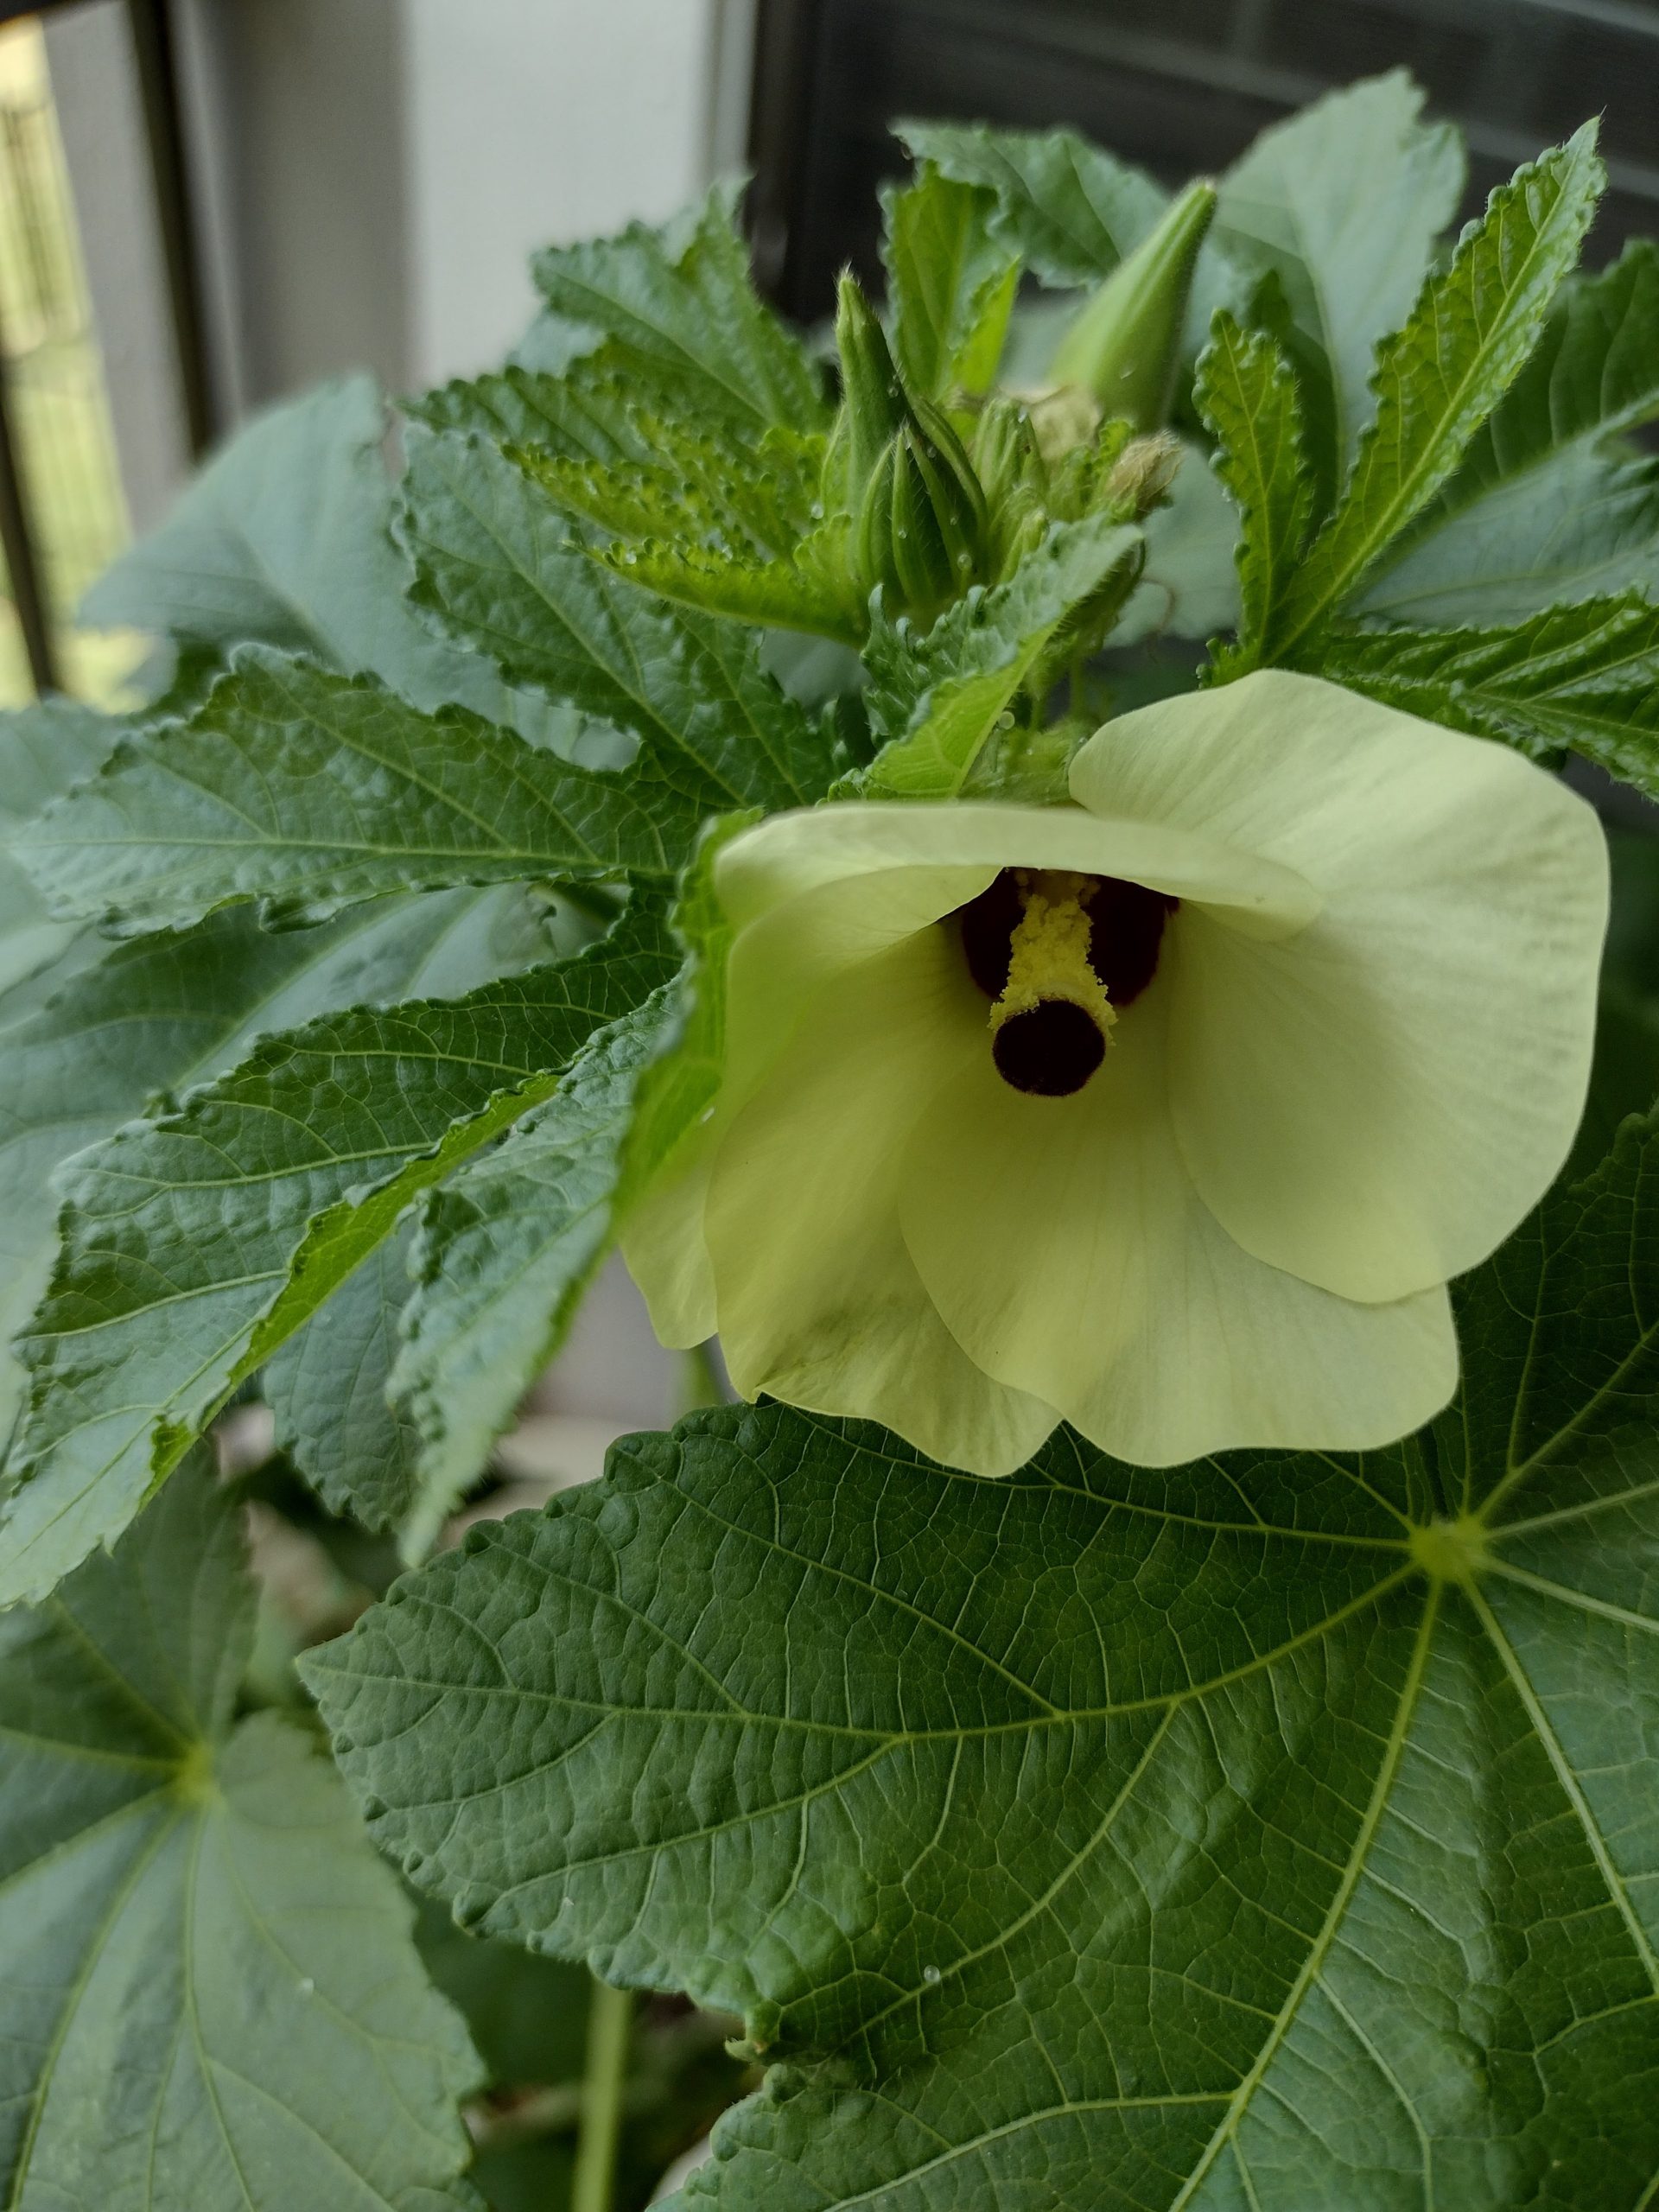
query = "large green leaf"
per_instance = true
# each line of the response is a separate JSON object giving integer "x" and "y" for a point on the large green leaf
{"x": 167, "y": 1012}
{"x": 1441, "y": 376}
{"x": 193, "y": 1245}
{"x": 1277, "y": 1832}
{"x": 212, "y": 1997}
{"x": 495, "y": 560}
{"x": 939, "y": 698}
{"x": 285, "y": 538}
{"x": 506, "y": 1248}
{"x": 1551, "y": 503}
{"x": 1068, "y": 210}
{"x": 1247, "y": 395}
{"x": 1584, "y": 678}
{"x": 43, "y": 750}
{"x": 307, "y": 790}
{"x": 682, "y": 323}
{"x": 950, "y": 284}
{"x": 326, "y": 1390}
{"x": 1345, "y": 202}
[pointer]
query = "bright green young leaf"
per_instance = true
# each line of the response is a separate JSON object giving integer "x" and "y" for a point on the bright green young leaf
{"x": 733, "y": 528}
{"x": 1584, "y": 678}
{"x": 212, "y": 1996}
{"x": 167, "y": 1011}
{"x": 495, "y": 561}
{"x": 307, "y": 790}
{"x": 755, "y": 497}
{"x": 807, "y": 589}
{"x": 1272, "y": 1833}
{"x": 950, "y": 284}
{"x": 683, "y": 322}
{"x": 284, "y": 539}
{"x": 1441, "y": 376}
{"x": 194, "y": 1245}
{"x": 506, "y": 1250}
{"x": 1345, "y": 202}
{"x": 1551, "y": 504}
{"x": 588, "y": 415}
{"x": 1246, "y": 395}
{"x": 939, "y": 698}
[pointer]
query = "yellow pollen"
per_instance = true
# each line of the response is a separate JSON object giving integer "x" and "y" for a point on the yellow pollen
{"x": 1048, "y": 953}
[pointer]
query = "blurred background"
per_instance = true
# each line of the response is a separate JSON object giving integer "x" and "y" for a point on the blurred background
{"x": 207, "y": 204}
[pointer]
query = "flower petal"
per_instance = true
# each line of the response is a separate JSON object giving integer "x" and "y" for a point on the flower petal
{"x": 791, "y": 857}
{"x": 1373, "y": 1103}
{"x": 819, "y": 1302}
{"x": 1065, "y": 1247}
{"x": 663, "y": 1247}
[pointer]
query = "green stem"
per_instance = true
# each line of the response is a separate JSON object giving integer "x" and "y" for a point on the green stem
{"x": 610, "y": 2026}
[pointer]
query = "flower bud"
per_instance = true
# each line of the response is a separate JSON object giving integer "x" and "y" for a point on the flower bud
{"x": 1015, "y": 477}
{"x": 1124, "y": 345}
{"x": 873, "y": 407}
{"x": 1140, "y": 479}
{"x": 923, "y": 531}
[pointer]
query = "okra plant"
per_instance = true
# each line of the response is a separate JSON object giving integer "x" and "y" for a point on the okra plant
{"x": 1036, "y": 859}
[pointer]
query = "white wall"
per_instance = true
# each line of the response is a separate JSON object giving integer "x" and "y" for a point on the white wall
{"x": 531, "y": 121}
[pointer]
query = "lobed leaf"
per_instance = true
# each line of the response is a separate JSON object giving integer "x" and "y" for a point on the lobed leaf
{"x": 1584, "y": 678}
{"x": 585, "y": 414}
{"x": 327, "y": 1389}
{"x": 1068, "y": 209}
{"x": 44, "y": 749}
{"x": 1345, "y": 202}
{"x": 506, "y": 1250}
{"x": 1441, "y": 374}
{"x": 495, "y": 560}
{"x": 1550, "y": 505}
{"x": 308, "y": 791}
{"x": 162, "y": 1014}
{"x": 194, "y": 1245}
{"x": 1248, "y": 396}
{"x": 1275, "y": 1831}
{"x": 683, "y": 322}
{"x": 284, "y": 539}
{"x": 212, "y": 1999}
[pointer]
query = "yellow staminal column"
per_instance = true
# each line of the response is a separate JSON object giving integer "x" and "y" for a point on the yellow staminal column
{"x": 1051, "y": 1026}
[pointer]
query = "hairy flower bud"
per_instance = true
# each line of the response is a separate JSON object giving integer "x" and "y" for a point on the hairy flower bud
{"x": 923, "y": 532}
{"x": 1123, "y": 347}
{"x": 873, "y": 407}
{"x": 1015, "y": 477}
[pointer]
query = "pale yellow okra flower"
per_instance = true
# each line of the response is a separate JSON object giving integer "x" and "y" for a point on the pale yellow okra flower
{"x": 1169, "y": 1113}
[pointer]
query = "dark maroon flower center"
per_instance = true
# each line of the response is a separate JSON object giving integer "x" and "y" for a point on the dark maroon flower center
{"x": 1052, "y": 1048}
